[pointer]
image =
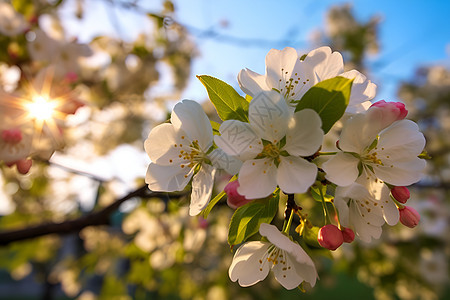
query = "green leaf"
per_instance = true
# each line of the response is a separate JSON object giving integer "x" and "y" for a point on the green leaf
{"x": 229, "y": 104}
{"x": 329, "y": 98}
{"x": 205, "y": 212}
{"x": 310, "y": 234}
{"x": 247, "y": 219}
{"x": 315, "y": 193}
{"x": 215, "y": 127}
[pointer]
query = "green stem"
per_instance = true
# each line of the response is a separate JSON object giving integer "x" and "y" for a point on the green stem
{"x": 327, "y": 153}
{"x": 288, "y": 226}
{"x": 325, "y": 208}
{"x": 399, "y": 205}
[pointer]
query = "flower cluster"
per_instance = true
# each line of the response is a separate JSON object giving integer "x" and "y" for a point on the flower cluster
{"x": 271, "y": 141}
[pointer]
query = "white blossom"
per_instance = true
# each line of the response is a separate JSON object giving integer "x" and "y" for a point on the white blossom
{"x": 179, "y": 152}
{"x": 293, "y": 77}
{"x": 290, "y": 264}
{"x": 272, "y": 146}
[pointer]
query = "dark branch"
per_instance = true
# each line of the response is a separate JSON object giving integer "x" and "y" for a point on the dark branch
{"x": 101, "y": 217}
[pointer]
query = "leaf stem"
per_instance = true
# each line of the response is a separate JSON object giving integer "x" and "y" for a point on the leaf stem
{"x": 327, "y": 153}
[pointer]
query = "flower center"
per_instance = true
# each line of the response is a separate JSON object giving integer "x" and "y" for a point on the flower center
{"x": 290, "y": 84}
{"x": 270, "y": 150}
{"x": 192, "y": 154}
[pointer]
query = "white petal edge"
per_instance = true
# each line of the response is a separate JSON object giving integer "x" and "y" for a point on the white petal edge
{"x": 202, "y": 185}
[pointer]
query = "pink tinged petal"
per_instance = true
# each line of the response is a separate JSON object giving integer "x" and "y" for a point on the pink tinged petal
{"x": 202, "y": 185}
{"x": 252, "y": 83}
{"x": 189, "y": 116}
{"x": 250, "y": 264}
{"x": 409, "y": 217}
{"x": 234, "y": 199}
{"x": 348, "y": 235}
{"x": 164, "y": 144}
{"x": 279, "y": 65}
{"x": 400, "y": 193}
{"x": 24, "y": 165}
{"x": 328, "y": 64}
{"x": 257, "y": 178}
{"x": 330, "y": 237}
{"x": 221, "y": 160}
{"x": 398, "y": 109}
{"x": 342, "y": 169}
{"x": 363, "y": 90}
{"x": 295, "y": 174}
{"x": 382, "y": 114}
{"x": 167, "y": 178}
{"x": 304, "y": 135}
{"x": 238, "y": 139}
{"x": 269, "y": 116}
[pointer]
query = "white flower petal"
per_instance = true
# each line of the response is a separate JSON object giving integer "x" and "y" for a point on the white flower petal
{"x": 167, "y": 178}
{"x": 342, "y": 169}
{"x": 327, "y": 64}
{"x": 257, "y": 178}
{"x": 269, "y": 116}
{"x": 279, "y": 63}
{"x": 252, "y": 83}
{"x": 221, "y": 160}
{"x": 238, "y": 139}
{"x": 304, "y": 135}
{"x": 189, "y": 116}
{"x": 202, "y": 185}
{"x": 357, "y": 134}
{"x": 250, "y": 264}
{"x": 401, "y": 174}
{"x": 295, "y": 266}
{"x": 401, "y": 139}
{"x": 163, "y": 144}
{"x": 363, "y": 230}
{"x": 295, "y": 174}
{"x": 342, "y": 206}
{"x": 363, "y": 90}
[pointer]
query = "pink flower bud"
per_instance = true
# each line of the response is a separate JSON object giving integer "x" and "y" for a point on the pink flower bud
{"x": 348, "y": 235}
{"x": 330, "y": 237}
{"x": 400, "y": 193}
{"x": 397, "y": 109}
{"x": 234, "y": 199}
{"x": 12, "y": 136}
{"x": 409, "y": 216}
{"x": 23, "y": 165}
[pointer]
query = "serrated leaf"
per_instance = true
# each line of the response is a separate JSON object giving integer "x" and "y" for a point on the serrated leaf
{"x": 247, "y": 219}
{"x": 329, "y": 98}
{"x": 228, "y": 103}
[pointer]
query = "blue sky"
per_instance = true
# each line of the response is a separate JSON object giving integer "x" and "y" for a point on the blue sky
{"x": 412, "y": 33}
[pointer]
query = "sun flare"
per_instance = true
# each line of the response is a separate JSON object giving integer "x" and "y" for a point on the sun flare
{"x": 41, "y": 108}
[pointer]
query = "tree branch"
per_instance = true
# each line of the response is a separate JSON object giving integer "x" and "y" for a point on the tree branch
{"x": 100, "y": 217}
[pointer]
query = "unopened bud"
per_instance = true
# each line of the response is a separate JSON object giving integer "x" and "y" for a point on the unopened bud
{"x": 409, "y": 216}
{"x": 400, "y": 193}
{"x": 330, "y": 237}
{"x": 24, "y": 165}
{"x": 348, "y": 235}
{"x": 234, "y": 199}
{"x": 397, "y": 108}
{"x": 12, "y": 136}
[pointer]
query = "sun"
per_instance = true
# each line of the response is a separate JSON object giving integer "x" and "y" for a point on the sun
{"x": 41, "y": 108}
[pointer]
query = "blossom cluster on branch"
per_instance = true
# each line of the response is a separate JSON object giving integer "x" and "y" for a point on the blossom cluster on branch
{"x": 271, "y": 142}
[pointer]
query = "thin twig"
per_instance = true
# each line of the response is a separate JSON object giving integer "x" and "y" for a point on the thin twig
{"x": 101, "y": 217}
